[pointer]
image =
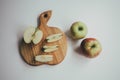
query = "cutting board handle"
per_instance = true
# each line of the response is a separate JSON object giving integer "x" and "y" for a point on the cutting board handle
{"x": 44, "y": 17}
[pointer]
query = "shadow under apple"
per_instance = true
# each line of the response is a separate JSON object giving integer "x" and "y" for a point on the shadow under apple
{"x": 76, "y": 47}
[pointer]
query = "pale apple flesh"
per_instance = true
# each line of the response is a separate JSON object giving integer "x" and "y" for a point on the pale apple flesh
{"x": 50, "y": 48}
{"x": 44, "y": 58}
{"x": 54, "y": 37}
{"x": 78, "y": 30}
{"x": 28, "y": 34}
{"x": 32, "y": 34}
{"x": 91, "y": 47}
{"x": 38, "y": 36}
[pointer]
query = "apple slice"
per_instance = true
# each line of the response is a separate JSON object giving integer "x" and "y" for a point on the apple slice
{"x": 50, "y": 48}
{"x": 54, "y": 37}
{"x": 37, "y": 37}
{"x": 44, "y": 58}
{"x": 55, "y": 46}
{"x": 28, "y": 34}
{"x": 32, "y": 34}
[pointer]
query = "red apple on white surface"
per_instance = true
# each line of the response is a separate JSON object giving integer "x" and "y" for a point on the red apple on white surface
{"x": 78, "y": 30}
{"x": 91, "y": 47}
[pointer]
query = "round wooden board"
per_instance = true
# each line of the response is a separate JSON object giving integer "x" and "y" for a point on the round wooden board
{"x": 29, "y": 51}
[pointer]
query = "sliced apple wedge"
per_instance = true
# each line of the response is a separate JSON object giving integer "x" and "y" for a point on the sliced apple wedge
{"x": 32, "y": 34}
{"x": 44, "y": 58}
{"x": 37, "y": 37}
{"x": 54, "y": 46}
{"x": 54, "y": 37}
{"x": 50, "y": 48}
{"x": 28, "y": 34}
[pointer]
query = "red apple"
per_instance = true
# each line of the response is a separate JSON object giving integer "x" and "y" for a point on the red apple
{"x": 91, "y": 47}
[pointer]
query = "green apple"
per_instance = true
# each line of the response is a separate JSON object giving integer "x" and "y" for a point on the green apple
{"x": 78, "y": 30}
{"x": 91, "y": 47}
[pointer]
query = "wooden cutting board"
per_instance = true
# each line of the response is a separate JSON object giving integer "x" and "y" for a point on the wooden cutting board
{"x": 29, "y": 51}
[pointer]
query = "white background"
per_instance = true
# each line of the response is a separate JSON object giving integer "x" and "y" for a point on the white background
{"x": 102, "y": 18}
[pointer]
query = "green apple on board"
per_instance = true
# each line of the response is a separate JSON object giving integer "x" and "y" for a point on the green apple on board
{"x": 91, "y": 47}
{"x": 78, "y": 30}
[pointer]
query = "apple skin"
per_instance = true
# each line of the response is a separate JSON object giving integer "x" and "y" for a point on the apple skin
{"x": 91, "y": 47}
{"x": 78, "y": 30}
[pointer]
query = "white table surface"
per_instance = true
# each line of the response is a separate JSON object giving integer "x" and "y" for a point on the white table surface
{"x": 102, "y": 18}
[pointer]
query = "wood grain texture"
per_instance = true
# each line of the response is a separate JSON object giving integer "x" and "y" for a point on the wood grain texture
{"x": 29, "y": 51}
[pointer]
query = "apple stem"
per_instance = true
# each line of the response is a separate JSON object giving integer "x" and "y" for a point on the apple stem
{"x": 93, "y": 46}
